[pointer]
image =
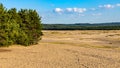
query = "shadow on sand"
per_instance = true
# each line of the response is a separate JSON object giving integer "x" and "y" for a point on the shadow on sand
{"x": 5, "y": 50}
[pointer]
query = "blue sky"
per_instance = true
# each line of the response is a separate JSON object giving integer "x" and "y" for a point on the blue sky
{"x": 71, "y": 11}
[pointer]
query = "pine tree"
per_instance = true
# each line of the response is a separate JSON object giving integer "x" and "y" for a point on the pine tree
{"x": 23, "y": 27}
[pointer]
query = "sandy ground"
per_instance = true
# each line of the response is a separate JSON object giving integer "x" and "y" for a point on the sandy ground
{"x": 66, "y": 49}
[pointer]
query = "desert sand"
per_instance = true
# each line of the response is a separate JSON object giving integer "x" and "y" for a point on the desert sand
{"x": 66, "y": 49}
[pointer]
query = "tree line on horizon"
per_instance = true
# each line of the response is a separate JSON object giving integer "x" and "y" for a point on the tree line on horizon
{"x": 21, "y": 27}
{"x": 102, "y": 26}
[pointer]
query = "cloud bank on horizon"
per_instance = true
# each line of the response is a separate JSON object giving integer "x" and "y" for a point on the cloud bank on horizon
{"x": 82, "y": 10}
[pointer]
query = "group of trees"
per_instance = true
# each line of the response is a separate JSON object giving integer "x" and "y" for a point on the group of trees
{"x": 19, "y": 27}
{"x": 107, "y": 26}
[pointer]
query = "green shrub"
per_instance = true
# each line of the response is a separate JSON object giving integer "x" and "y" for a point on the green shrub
{"x": 22, "y": 27}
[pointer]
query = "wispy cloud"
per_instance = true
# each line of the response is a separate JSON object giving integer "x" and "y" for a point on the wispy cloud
{"x": 118, "y": 4}
{"x": 107, "y": 6}
{"x": 93, "y": 9}
{"x": 97, "y": 14}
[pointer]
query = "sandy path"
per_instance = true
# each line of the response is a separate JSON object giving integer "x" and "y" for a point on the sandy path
{"x": 61, "y": 52}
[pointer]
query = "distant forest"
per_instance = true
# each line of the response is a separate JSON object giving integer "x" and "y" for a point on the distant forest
{"x": 83, "y": 26}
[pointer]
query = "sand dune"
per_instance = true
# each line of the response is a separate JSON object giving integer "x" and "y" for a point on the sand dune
{"x": 66, "y": 49}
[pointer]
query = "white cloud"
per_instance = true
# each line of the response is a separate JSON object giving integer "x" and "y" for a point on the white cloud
{"x": 58, "y": 10}
{"x": 108, "y": 6}
{"x": 79, "y": 10}
{"x": 73, "y": 10}
{"x": 69, "y": 9}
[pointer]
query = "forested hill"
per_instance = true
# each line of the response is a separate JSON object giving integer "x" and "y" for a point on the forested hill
{"x": 83, "y": 26}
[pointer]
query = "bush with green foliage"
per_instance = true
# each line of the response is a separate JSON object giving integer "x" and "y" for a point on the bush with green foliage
{"x": 22, "y": 27}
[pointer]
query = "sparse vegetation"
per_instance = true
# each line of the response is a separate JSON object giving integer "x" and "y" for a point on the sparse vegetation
{"x": 19, "y": 27}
